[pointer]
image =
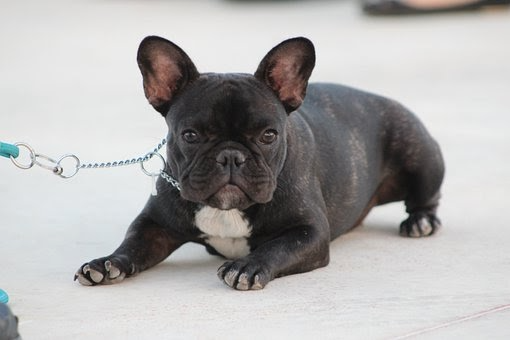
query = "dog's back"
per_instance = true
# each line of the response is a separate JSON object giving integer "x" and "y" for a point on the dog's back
{"x": 373, "y": 141}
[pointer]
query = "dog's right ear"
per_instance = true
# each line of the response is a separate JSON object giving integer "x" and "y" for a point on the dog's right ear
{"x": 166, "y": 70}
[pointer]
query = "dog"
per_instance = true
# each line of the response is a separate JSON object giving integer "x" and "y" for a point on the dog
{"x": 271, "y": 168}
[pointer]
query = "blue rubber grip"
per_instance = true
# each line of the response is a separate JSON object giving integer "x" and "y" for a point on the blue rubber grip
{"x": 4, "y": 298}
{"x": 8, "y": 150}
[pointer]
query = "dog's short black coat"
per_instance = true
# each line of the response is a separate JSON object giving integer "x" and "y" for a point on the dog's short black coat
{"x": 269, "y": 177}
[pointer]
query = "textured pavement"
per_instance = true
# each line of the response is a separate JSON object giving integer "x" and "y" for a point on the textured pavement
{"x": 69, "y": 84}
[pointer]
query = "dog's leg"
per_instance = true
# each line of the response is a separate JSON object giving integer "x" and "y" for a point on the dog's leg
{"x": 423, "y": 179}
{"x": 300, "y": 249}
{"x": 145, "y": 245}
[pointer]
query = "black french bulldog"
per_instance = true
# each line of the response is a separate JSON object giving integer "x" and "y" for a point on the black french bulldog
{"x": 267, "y": 177}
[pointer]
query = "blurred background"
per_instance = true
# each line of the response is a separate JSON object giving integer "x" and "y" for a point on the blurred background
{"x": 69, "y": 83}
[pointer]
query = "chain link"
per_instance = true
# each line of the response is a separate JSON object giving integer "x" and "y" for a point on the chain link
{"x": 132, "y": 161}
{"x": 173, "y": 182}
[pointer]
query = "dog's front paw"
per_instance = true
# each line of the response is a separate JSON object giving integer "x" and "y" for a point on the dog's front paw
{"x": 420, "y": 224}
{"x": 244, "y": 274}
{"x": 106, "y": 270}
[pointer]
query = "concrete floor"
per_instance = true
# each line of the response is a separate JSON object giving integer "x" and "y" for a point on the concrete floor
{"x": 69, "y": 83}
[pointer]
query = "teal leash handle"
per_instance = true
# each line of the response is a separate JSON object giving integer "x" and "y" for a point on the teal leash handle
{"x": 8, "y": 150}
{"x": 4, "y": 298}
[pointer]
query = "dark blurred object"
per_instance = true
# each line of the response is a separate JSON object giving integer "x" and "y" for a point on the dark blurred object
{"x": 266, "y": 1}
{"x": 8, "y": 324}
{"x": 403, "y": 7}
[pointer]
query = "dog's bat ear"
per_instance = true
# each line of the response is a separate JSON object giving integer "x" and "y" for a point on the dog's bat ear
{"x": 166, "y": 70}
{"x": 286, "y": 70}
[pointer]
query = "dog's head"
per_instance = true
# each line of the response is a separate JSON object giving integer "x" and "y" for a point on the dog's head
{"x": 227, "y": 132}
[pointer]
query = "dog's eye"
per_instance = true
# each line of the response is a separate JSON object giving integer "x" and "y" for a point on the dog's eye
{"x": 269, "y": 136}
{"x": 190, "y": 136}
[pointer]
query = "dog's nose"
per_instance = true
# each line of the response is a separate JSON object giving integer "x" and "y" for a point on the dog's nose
{"x": 233, "y": 158}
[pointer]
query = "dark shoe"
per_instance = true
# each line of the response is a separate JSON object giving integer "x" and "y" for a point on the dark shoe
{"x": 399, "y": 7}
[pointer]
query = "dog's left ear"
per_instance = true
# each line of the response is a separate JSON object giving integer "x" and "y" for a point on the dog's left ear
{"x": 166, "y": 70}
{"x": 286, "y": 69}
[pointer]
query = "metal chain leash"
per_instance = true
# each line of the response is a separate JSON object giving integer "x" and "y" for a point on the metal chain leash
{"x": 173, "y": 182}
{"x": 12, "y": 151}
{"x": 132, "y": 161}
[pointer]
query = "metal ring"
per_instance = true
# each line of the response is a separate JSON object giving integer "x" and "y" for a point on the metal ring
{"x": 52, "y": 164}
{"x": 61, "y": 168}
{"x": 150, "y": 155}
{"x": 32, "y": 157}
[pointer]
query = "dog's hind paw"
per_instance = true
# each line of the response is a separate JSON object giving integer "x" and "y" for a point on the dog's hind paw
{"x": 420, "y": 224}
{"x": 106, "y": 270}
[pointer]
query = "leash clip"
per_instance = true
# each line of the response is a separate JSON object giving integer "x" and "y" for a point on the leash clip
{"x": 13, "y": 152}
{"x": 161, "y": 172}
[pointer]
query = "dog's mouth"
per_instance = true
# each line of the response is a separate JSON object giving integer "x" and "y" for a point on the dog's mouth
{"x": 228, "y": 190}
{"x": 228, "y": 197}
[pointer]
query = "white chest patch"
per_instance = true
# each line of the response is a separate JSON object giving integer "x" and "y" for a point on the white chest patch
{"x": 224, "y": 230}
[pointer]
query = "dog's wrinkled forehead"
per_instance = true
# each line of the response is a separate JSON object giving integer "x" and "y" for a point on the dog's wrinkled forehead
{"x": 236, "y": 102}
